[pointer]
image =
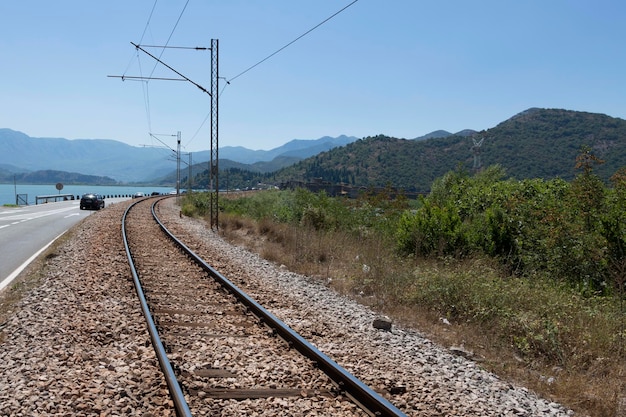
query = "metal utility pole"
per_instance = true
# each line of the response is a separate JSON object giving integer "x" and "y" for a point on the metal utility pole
{"x": 214, "y": 163}
{"x": 178, "y": 163}
{"x": 476, "y": 151}
{"x": 214, "y": 93}
{"x": 189, "y": 179}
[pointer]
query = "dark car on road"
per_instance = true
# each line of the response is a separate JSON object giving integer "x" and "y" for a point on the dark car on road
{"x": 91, "y": 201}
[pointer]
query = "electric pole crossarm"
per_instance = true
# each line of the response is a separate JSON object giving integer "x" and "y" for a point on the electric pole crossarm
{"x": 131, "y": 77}
{"x": 164, "y": 144}
{"x": 197, "y": 48}
{"x": 170, "y": 68}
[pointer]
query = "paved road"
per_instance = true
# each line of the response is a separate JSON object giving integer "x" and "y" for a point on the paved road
{"x": 26, "y": 231}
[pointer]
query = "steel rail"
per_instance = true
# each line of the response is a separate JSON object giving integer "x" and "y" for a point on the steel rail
{"x": 176, "y": 393}
{"x": 369, "y": 400}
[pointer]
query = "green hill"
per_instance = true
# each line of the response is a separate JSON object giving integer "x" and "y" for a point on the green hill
{"x": 52, "y": 176}
{"x": 537, "y": 143}
{"x": 543, "y": 143}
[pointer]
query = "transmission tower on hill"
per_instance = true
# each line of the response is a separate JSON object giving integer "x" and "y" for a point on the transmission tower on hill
{"x": 476, "y": 150}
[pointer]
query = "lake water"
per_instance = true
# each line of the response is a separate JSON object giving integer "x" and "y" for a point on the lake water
{"x": 8, "y": 191}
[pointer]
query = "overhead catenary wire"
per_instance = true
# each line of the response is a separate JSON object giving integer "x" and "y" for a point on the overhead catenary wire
{"x": 228, "y": 81}
{"x": 145, "y": 93}
{"x": 291, "y": 43}
{"x": 144, "y": 80}
{"x": 166, "y": 43}
{"x": 170, "y": 37}
{"x": 145, "y": 29}
{"x": 205, "y": 117}
{"x": 198, "y": 130}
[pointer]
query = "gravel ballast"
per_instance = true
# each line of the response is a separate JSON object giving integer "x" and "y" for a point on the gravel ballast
{"x": 77, "y": 343}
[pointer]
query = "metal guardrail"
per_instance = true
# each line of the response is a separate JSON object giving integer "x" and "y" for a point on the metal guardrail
{"x": 53, "y": 198}
{"x": 363, "y": 395}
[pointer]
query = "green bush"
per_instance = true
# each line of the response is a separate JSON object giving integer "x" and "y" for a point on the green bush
{"x": 572, "y": 232}
{"x": 195, "y": 204}
{"x": 430, "y": 230}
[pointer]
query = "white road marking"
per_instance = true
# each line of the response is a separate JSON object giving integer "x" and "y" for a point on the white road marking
{"x": 15, "y": 273}
{"x": 31, "y": 216}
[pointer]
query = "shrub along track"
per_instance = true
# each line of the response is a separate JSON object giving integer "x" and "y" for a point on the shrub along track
{"x": 222, "y": 344}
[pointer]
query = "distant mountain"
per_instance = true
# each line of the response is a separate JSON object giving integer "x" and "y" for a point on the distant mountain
{"x": 98, "y": 157}
{"x": 11, "y": 168}
{"x": 255, "y": 170}
{"x": 445, "y": 134}
{"x": 435, "y": 134}
{"x": 466, "y": 132}
{"x": 21, "y": 153}
{"x": 8, "y": 172}
{"x": 53, "y": 177}
{"x": 297, "y": 148}
{"x": 537, "y": 143}
{"x": 544, "y": 143}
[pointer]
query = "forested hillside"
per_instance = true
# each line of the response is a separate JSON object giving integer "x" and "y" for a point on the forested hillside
{"x": 380, "y": 161}
{"x": 537, "y": 143}
{"x": 52, "y": 177}
{"x": 543, "y": 143}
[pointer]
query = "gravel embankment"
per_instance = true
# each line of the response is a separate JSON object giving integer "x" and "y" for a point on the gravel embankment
{"x": 77, "y": 345}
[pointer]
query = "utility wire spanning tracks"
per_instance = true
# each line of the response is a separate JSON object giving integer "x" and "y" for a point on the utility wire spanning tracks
{"x": 181, "y": 311}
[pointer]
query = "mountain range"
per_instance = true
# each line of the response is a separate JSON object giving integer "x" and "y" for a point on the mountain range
{"x": 535, "y": 143}
{"x": 21, "y": 155}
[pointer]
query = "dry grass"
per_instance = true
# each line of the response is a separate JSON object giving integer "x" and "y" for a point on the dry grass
{"x": 591, "y": 381}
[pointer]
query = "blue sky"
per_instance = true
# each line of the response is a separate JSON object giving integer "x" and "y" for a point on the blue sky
{"x": 402, "y": 68}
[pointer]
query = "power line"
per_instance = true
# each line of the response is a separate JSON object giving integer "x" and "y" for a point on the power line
{"x": 146, "y": 95}
{"x": 292, "y": 42}
{"x": 145, "y": 29}
{"x": 198, "y": 130}
{"x": 145, "y": 92}
{"x": 148, "y": 22}
{"x": 265, "y": 59}
{"x": 158, "y": 59}
{"x": 170, "y": 37}
{"x": 144, "y": 85}
{"x": 208, "y": 115}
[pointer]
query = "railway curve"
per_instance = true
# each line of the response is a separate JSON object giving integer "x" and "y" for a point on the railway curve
{"x": 166, "y": 285}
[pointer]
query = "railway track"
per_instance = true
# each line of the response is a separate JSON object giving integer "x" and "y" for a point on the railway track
{"x": 221, "y": 352}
